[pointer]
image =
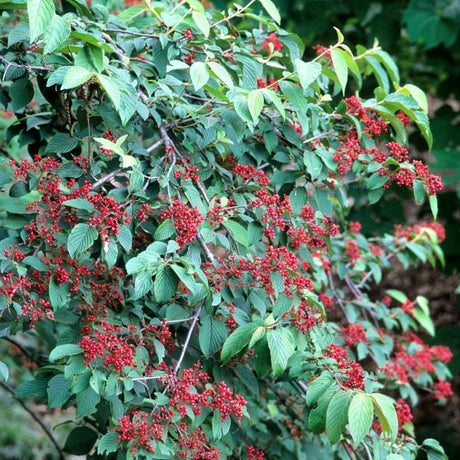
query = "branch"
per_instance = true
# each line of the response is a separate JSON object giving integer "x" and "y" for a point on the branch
{"x": 187, "y": 340}
{"x": 21, "y": 348}
{"x": 155, "y": 145}
{"x": 336, "y": 295}
{"x": 369, "y": 274}
{"x": 36, "y": 418}
{"x": 26, "y": 66}
{"x": 106, "y": 178}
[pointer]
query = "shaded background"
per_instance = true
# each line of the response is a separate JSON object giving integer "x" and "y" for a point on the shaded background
{"x": 422, "y": 36}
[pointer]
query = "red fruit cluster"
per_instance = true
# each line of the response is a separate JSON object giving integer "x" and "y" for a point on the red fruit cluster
{"x": 409, "y": 362}
{"x": 110, "y": 137}
{"x": 403, "y": 412}
{"x": 442, "y": 389}
{"x": 188, "y": 171}
{"x": 272, "y": 40}
{"x": 186, "y": 221}
{"x": 250, "y": 173}
{"x": 353, "y": 252}
{"x": 303, "y": 317}
{"x": 234, "y": 271}
{"x": 374, "y": 125}
{"x": 420, "y": 231}
{"x": 218, "y": 213}
{"x": 352, "y": 373}
{"x": 261, "y": 83}
{"x": 354, "y": 334}
{"x": 254, "y": 454}
{"x": 108, "y": 344}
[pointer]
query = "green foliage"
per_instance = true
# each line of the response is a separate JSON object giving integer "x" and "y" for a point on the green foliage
{"x": 175, "y": 202}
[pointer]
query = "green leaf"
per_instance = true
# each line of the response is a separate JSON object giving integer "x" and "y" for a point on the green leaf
{"x": 56, "y": 34}
{"x": 425, "y": 321}
{"x": 386, "y": 412}
{"x": 212, "y": 335}
{"x": 59, "y": 293}
{"x": 276, "y": 101}
{"x": 238, "y": 339}
{"x": 360, "y": 415}
{"x": 142, "y": 284}
{"x": 255, "y": 103}
{"x": 61, "y": 143}
{"x": 125, "y": 237}
{"x": 41, "y": 13}
{"x": 201, "y": 22}
{"x": 282, "y": 345}
{"x": 4, "y": 371}
{"x": 337, "y": 415}
{"x": 221, "y": 73}
{"x": 317, "y": 416}
{"x": 80, "y": 239}
{"x": 308, "y": 72}
{"x": 340, "y": 66}
{"x": 165, "y": 284}
{"x": 418, "y": 95}
{"x": 239, "y": 233}
{"x": 433, "y": 200}
{"x": 272, "y": 10}
{"x": 397, "y": 295}
{"x": 79, "y": 203}
{"x": 318, "y": 387}
{"x": 186, "y": 278}
{"x": 313, "y": 163}
{"x": 58, "y": 391}
{"x": 80, "y": 441}
{"x": 62, "y": 351}
{"x": 75, "y": 76}
{"x": 86, "y": 402}
{"x": 21, "y": 92}
{"x": 108, "y": 443}
{"x": 199, "y": 74}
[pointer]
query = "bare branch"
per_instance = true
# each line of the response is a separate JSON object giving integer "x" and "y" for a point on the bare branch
{"x": 26, "y": 66}
{"x": 36, "y": 418}
{"x": 106, "y": 178}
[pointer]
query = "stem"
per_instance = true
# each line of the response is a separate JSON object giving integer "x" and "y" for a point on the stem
{"x": 187, "y": 340}
{"x": 26, "y": 66}
{"x": 235, "y": 14}
{"x": 36, "y": 418}
{"x": 106, "y": 178}
{"x": 155, "y": 145}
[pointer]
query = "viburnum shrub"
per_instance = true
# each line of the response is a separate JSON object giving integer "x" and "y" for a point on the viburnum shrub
{"x": 177, "y": 256}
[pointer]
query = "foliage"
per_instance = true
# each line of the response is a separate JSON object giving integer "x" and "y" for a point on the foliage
{"x": 175, "y": 232}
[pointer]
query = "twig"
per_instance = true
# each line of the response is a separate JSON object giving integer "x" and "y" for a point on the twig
{"x": 187, "y": 340}
{"x": 209, "y": 255}
{"x": 336, "y": 295}
{"x": 36, "y": 418}
{"x": 18, "y": 345}
{"x": 128, "y": 32}
{"x": 369, "y": 274}
{"x": 106, "y": 178}
{"x": 319, "y": 136}
{"x": 26, "y": 66}
{"x": 155, "y": 145}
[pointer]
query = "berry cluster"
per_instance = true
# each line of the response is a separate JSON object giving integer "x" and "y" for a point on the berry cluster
{"x": 110, "y": 137}
{"x": 271, "y": 43}
{"x": 354, "y": 334}
{"x": 351, "y": 372}
{"x": 239, "y": 271}
{"x": 106, "y": 342}
{"x": 186, "y": 221}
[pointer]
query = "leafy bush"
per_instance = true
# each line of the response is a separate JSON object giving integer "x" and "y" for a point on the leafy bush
{"x": 176, "y": 185}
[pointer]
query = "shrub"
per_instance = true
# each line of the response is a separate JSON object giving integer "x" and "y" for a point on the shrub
{"x": 176, "y": 185}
